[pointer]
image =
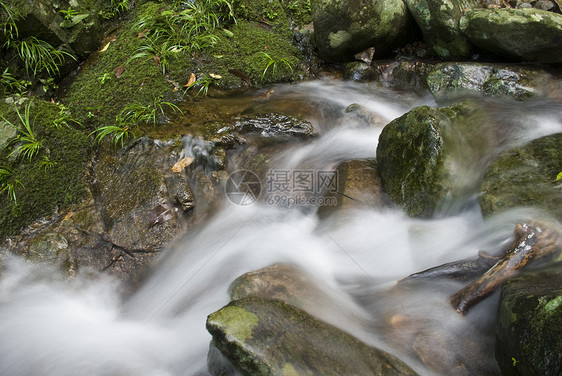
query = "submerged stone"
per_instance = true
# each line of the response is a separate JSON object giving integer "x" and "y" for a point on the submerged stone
{"x": 524, "y": 34}
{"x": 529, "y": 326}
{"x": 275, "y": 125}
{"x": 270, "y": 337}
{"x": 525, "y": 176}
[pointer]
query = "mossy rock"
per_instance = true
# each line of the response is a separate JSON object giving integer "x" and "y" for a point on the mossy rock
{"x": 439, "y": 23}
{"x": 520, "y": 83}
{"x": 44, "y": 187}
{"x": 524, "y": 34}
{"x": 344, "y": 27}
{"x": 525, "y": 176}
{"x": 426, "y": 157}
{"x": 269, "y": 337}
{"x": 529, "y": 324}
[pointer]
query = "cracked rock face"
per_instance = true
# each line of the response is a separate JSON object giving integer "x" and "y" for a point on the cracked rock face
{"x": 139, "y": 202}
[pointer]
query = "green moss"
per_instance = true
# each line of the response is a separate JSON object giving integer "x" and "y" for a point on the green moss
{"x": 237, "y": 322}
{"x": 42, "y": 188}
{"x": 245, "y": 52}
{"x": 524, "y": 176}
{"x": 97, "y": 95}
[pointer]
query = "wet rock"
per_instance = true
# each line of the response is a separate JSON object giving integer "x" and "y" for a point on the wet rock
{"x": 274, "y": 125}
{"x": 430, "y": 156}
{"x": 406, "y": 75}
{"x": 271, "y": 337}
{"x": 439, "y": 22}
{"x": 343, "y": 28}
{"x": 359, "y": 185}
{"x": 529, "y": 324}
{"x": 523, "y": 34}
{"x": 450, "y": 79}
{"x": 131, "y": 185}
{"x": 362, "y": 116}
{"x": 293, "y": 285}
{"x": 136, "y": 206}
{"x": 525, "y": 176}
{"x": 359, "y": 71}
{"x": 48, "y": 247}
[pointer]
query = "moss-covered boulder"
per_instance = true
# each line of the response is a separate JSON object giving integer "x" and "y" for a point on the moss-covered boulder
{"x": 270, "y": 337}
{"x": 447, "y": 79}
{"x": 525, "y": 176}
{"x": 523, "y": 34}
{"x": 529, "y": 324}
{"x": 431, "y": 155}
{"x": 344, "y": 27}
{"x": 295, "y": 286}
{"x": 439, "y": 22}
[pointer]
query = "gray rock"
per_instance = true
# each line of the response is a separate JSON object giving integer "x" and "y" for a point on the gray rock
{"x": 544, "y": 5}
{"x": 343, "y": 28}
{"x": 270, "y": 337}
{"x": 7, "y": 133}
{"x": 439, "y": 22}
{"x": 449, "y": 79}
{"x": 275, "y": 125}
{"x": 529, "y": 324}
{"x": 525, "y": 176}
{"x": 524, "y": 34}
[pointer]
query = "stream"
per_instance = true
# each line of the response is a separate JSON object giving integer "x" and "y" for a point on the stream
{"x": 50, "y": 325}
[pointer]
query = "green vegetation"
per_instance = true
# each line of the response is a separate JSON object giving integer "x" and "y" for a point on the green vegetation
{"x": 41, "y": 177}
{"x": 270, "y": 62}
{"x": 6, "y": 185}
{"x": 69, "y": 13}
{"x": 27, "y": 144}
{"x": 163, "y": 52}
{"x": 132, "y": 116}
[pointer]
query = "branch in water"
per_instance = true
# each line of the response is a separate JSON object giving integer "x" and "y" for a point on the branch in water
{"x": 531, "y": 243}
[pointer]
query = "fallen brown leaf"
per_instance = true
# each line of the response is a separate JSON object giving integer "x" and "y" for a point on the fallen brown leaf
{"x": 119, "y": 71}
{"x": 182, "y": 163}
{"x": 191, "y": 80}
{"x": 104, "y": 48}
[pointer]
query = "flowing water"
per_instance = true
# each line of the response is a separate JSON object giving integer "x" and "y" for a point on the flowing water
{"x": 52, "y": 326}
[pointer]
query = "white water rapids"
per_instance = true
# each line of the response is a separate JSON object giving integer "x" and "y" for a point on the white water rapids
{"x": 55, "y": 327}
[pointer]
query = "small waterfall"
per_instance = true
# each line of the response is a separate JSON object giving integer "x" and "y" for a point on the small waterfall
{"x": 55, "y": 327}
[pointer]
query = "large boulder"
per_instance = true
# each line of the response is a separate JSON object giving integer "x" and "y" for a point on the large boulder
{"x": 446, "y": 79}
{"x": 270, "y": 337}
{"x": 429, "y": 156}
{"x": 523, "y": 34}
{"x": 343, "y": 28}
{"x": 439, "y": 22}
{"x": 529, "y": 324}
{"x": 525, "y": 176}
